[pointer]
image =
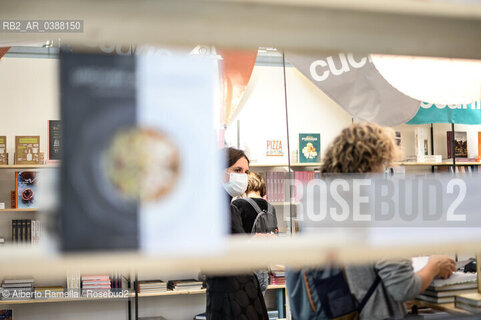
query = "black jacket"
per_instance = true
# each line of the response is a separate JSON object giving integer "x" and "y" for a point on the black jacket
{"x": 235, "y": 297}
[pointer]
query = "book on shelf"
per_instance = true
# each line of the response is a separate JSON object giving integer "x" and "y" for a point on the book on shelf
{"x": 111, "y": 129}
{"x": 6, "y": 314}
{"x": 470, "y": 302}
{"x": 49, "y": 292}
{"x": 3, "y": 150}
{"x": 27, "y": 150}
{"x": 95, "y": 283}
{"x": 429, "y": 158}
{"x": 457, "y": 281}
{"x": 438, "y": 300}
{"x": 73, "y": 282}
{"x": 309, "y": 147}
{"x": 277, "y": 278}
{"x": 303, "y": 177}
{"x": 479, "y": 146}
{"x": 421, "y": 141}
{"x": 398, "y": 138}
{"x": 185, "y": 285}
{"x": 118, "y": 282}
{"x": 460, "y": 144}
{"x": 465, "y": 170}
{"x": 151, "y": 286}
{"x": 26, "y": 189}
{"x": 26, "y": 231}
{"x": 54, "y": 140}
{"x": 275, "y": 187}
{"x": 13, "y": 199}
{"x": 447, "y": 293}
{"x": 17, "y": 289}
{"x": 273, "y": 314}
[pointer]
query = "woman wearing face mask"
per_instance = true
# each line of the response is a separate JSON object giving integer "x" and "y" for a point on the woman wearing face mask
{"x": 235, "y": 297}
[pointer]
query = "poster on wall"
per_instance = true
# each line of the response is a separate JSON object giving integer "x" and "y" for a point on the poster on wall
{"x": 26, "y": 189}
{"x": 309, "y": 147}
{"x": 3, "y": 150}
{"x": 54, "y": 140}
{"x": 274, "y": 148}
{"x": 460, "y": 144}
{"x": 27, "y": 149}
{"x": 138, "y": 138}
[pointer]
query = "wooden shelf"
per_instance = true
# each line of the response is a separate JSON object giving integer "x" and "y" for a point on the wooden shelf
{"x": 446, "y": 307}
{"x": 170, "y": 293}
{"x": 29, "y": 166}
{"x": 67, "y": 299}
{"x": 444, "y": 163}
{"x": 284, "y": 165}
{"x": 190, "y": 292}
{"x": 128, "y": 296}
{"x": 18, "y": 210}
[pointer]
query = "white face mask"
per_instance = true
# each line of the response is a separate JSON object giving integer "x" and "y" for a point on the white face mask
{"x": 237, "y": 184}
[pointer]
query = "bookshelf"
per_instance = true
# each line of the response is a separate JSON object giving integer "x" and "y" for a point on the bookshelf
{"x": 446, "y": 307}
{"x": 130, "y": 295}
{"x": 444, "y": 163}
{"x": 401, "y": 163}
{"x": 29, "y": 166}
{"x": 285, "y": 165}
{"x": 67, "y": 299}
{"x": 13, "y": 210}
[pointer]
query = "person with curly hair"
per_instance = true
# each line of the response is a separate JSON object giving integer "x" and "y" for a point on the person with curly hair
{"x": 369, "y": 148}
{"x": 361, "y": 148}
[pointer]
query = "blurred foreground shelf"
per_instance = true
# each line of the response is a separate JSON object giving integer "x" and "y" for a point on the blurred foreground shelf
{"x": 403, "y": 27}
{"x": 240, "y": 254}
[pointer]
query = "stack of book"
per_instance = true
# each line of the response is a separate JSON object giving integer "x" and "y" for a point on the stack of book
{"x": 277, "y": 278}
{"x": 303, "y": 177}
{"x": 25, "y": 231}
{"x": 151, "y": 286}
{"x": 17, "y": 289}
{"x": 118, "y": 282}
{"x": 95, "y": 283}
{"x": 184, "y": 285}
{"x": 465, "y": 170}
{"x": 444, "y": 290}
{"x": 275, "y": 186}
{"x": 470, "y": 302}
{"x": 73, "y": 283}
{"x": 49, "y": 292}
{"x": 273, "y": 315}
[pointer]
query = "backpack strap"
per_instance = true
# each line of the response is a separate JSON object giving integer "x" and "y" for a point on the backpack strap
{"x": 254, "y": 205}
{"x": 257, "y": 209}
{"x": 369, "y": 293}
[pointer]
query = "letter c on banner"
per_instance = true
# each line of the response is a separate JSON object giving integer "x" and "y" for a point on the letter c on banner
{"x": 314, "y": 74}
{"x": 354, "y": 63}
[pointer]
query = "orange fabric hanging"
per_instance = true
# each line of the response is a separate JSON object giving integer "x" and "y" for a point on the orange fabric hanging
{"x": 236, "y": 70}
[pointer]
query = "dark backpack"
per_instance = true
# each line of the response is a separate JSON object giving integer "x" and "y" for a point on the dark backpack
{"x": 319, "y": 294}
{"x": 266, "y": 221}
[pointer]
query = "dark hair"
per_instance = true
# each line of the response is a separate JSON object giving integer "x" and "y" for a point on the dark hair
{"x": 233, "y": 155}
